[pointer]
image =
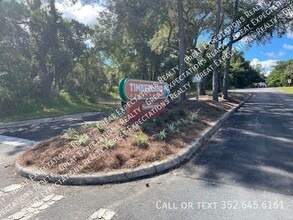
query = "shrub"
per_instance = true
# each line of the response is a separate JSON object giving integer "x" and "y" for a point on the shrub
{"x": 161, "y": 136}
{"x": 101, "y": 128}
{"x": 165, "y": 119}
{"x": 178, "y": 123}
{"x": 145, "y": 126}
{"x": 181, "y": 112}
{"x": 184, "y": 121}
{"x": 94, "y": 125}
{"x": 113, "y": 117}
{"x": 108, "y": 144}
{"x": 70, "y": 134}
{"x": 158, "y": 121}
{"x": 86, "y": 125}
{"x": 82, "y": 139}
{"x": 171, "y": 116}
{"x": 172, "y": 128}
{"x": 140, "y": 140}
{"x": 193, "y": 115}
{"x": 121, "y": 132}
{"x": 87, "y": 169}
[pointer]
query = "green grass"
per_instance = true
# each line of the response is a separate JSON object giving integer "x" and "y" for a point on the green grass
{"x": 62, "y": 105}
{"x": 287, "y": 89}
{"x": 192, "y": 94}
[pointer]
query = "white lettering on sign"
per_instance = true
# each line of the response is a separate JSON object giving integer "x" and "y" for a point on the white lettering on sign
{"x": 136, "y": 87}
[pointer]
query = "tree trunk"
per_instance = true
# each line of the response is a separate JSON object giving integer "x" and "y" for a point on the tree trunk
{"x": 181, "y": 49}
{"x": 220, "y": 68}
{"x": 228, "y": 60}
{"x": 55, "y": 46}
{"x": 216, "y": 44}
{"x": 202, "y": 87}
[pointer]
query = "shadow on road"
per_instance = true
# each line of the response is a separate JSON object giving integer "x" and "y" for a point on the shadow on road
{"x": 40, "y": 132}
{"x": 254, "y": 148}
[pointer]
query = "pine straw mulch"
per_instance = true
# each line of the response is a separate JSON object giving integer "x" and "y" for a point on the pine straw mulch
{"x": 125, "y": 153}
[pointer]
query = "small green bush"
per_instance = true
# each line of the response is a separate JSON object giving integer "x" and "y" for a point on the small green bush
{"x": 184, "y": 121}
{"x": 108, "y": 144}
{"x": 161, "y": 136}
{"x": 181, "y": 112}
{"x": 94, "y": 125}
{"x": 82, "y": 139}
{"x": 140, "y": 140}
{"x": 193, "y": 115}
{"x": 86, "y": 125}
{"x": 165, "y": 119}
{"x": 158, "y": 121}
{"x": 113, "y": 117}
{"x": 70, "y": 134}
{"x": 172, "y": 128}
{"x": 101, "y": 128}
{"x": 121, "y": 132}
{"x": 178, "y": 123}
{"x": 171, "y": 116}
{"x": 145, "y": 126}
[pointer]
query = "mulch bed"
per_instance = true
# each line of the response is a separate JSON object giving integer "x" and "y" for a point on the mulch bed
{"x": 129, "y": 152}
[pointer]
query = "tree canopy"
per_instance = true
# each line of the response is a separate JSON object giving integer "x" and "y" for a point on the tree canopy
{"x": 281, "y": 73}
{"x": 43, "y": 53}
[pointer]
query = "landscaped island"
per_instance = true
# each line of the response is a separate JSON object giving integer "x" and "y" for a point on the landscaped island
{"x": 125, "y": 146}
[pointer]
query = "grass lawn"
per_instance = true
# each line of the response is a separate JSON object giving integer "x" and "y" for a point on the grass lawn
{"x": 60, "y": 106}
{"x": 287, "y": 89}
{"x": 192, "y": 93}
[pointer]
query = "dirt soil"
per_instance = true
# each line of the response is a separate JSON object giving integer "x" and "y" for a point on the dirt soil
{"x": 139, "y": 146}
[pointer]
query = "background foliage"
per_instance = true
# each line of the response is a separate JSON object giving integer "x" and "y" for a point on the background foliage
{"x": 45, "y": 57}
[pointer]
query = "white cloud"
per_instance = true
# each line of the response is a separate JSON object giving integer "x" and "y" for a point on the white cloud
{"x": 272, "y": 55}
{"x": 266, "y": 65}
{"x": 290, "y": 34}
{"x": 86, "y": 14}
{"x": 281, "y": 53}
{"x": 288, "y": 46}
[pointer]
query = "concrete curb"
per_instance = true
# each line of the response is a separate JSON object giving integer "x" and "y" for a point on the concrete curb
{"x": 128, "y": 175}
{"x": 13, "y": 141}
{"x": 53, "y": 119}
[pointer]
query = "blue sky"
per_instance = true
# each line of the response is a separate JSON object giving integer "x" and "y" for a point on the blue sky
{"x": 279, "y": 49}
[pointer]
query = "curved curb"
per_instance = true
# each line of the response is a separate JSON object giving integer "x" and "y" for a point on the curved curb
{"x": 131, "y": 174}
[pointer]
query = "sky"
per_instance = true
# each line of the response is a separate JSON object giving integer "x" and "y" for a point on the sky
{"x": 84, "y": 13}
{"x": 279, "y": 49}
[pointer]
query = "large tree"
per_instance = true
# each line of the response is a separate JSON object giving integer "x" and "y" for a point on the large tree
{"x": 216, "y": 45}
{"x": 280, "y": 74}
{"x": 227, "y": 69}
{"x": 181, "y": 48}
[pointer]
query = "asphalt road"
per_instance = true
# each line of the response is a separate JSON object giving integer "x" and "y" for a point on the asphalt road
{"x": 244, "y": 172}
{"x": 41, "y": 131}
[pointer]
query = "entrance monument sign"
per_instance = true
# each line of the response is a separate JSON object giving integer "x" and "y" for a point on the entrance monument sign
{"x": 142, "y": 97}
